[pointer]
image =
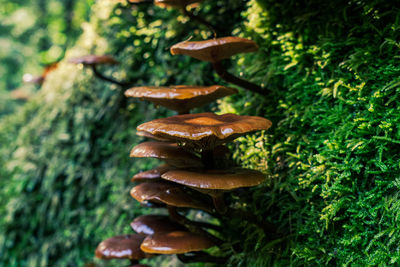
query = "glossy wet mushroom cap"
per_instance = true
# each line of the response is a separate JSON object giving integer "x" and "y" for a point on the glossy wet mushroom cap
{"x": 175, "y": 3}
{"x": 150, "y": 136}
{"x": 204, "y": 130}
{"x": 180, "y": 98}
{"x": 214, "y": 50}
{"x": 169, "y": 193}
{"x": 121, "y": 247}
{"x": 177, "y": 242}
{"x": 93, "y": 60}
{"x": 216, "y": 179}
{"x": 152, "y": 174}
{"x": 152, "y": 224}
{"x": 171, "y": 153}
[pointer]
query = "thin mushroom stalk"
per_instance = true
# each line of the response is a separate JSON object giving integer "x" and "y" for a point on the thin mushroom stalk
{"x": 228, "y": 77}
{"x": 200, "y": 256}
{"x": 200, "y": 20}
{"x": 108, "y": 79}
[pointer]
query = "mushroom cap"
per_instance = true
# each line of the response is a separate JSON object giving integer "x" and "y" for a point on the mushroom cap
{"x": 214, "y": 50}
{"x": 168, "y": 193}
{"x": 216, "y": 179}
{"x": 175, "y": 3}
{"x": 151, "y": 174}
{"x": 177, "y": 242}
{"x": 180, "y": 98}
{"x": 121, "y": 247}
{"x": 204, "y": 130}
{"x": 150, "y": 136}
{"x": 173, "y": 154}
{"x": 151, "y": 224}
{"x": 93, "y": 60}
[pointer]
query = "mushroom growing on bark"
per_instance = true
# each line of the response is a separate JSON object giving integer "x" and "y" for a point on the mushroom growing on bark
{"x": 181, "y": 98}
{"x": 204, "y": 131}
{"x": 122, "y": 247}
{"x": 216, "y": 182}
{"x": 215, "y": 50}
{"x": 93, "y": 61}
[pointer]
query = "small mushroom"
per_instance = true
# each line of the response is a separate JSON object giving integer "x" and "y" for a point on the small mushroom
{"x": 169, "y": 193}
{"x": 177, "y": 242}
{"x": 181, "y": 98}
{"x": 216, "y": 182}
{"x": 93, "y": 61}
{"x": 122, "y": 247}
{"x": 171, "y": 153}
{"x": 152, "y": 174}
{"x": 204, "y": 130}
{"x": 29, "y": 78}
{"x": 217, "y": 49}
{"x": 152, "y": 224}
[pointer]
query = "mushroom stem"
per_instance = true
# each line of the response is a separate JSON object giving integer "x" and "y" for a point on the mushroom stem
{"x": 207, "y": 157}
{"x": 175, "y": 216}
{"x": 134, "y": 261}
{"x": 269, "y": 229}
{"x": 108, "y": 79}
{"x": 200, "y": 20}
{"x": 200, "y": 256}
{"x": 219, "y": 203}
{"x": 225, "y": 75}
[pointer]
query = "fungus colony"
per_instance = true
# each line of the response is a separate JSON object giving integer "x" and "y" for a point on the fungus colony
{"x": 197, "y": 174}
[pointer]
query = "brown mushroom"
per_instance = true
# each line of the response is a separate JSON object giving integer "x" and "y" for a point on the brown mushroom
{"x": 152, "y": 224}
{"x": 121, "y": 247}
{"x": 93, "y": 61}
{"x": 180, "y": 98}
{"x": 204, "y": 130}
{"x": 171, "y": 153}
{"x": 217, "y": 49}
{"x": 29, "y": 78}
{"x": 177, "y": 242}
{"x": 169, "y": 193}
{"x": 216, "y": 182}
{"x": 152, "y": 174}
{"x": 150, "y": 136}
{"x": 176, "y": 3}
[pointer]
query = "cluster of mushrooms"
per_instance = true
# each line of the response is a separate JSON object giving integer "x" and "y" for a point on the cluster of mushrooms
{"x": 197, "y": 174}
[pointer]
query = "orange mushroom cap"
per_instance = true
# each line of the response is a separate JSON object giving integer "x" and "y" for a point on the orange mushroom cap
{"x": 204, "y": 130}
{"x": 151, "y": 224}
{"x": 168, "y": 193}
{"x": 175, "y": 3}
{"x": 214, "y": 50}
{"x": 177, "y": 242}
{"x": 216, "y": 179}
{"x": 171, "y": 153}
{"x": 121, "y": 247}
{"x": 93, "y": 60}
{"x": 180, "y": 98}
{"x": 152, "y": 174}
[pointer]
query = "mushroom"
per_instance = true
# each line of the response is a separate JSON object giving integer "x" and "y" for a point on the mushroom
{"x": 180, "y": 98}
{"x": 122, "y": 247}
{"x": 151, "y": 175}
{"x": 181, "y": 243}
{"x": 217, "y": 49}
{"x": 184, "y": 6}
{"x": 150, "y": 136}
{"x": 204, "y": 131}
{"x": 216, "y": 182}
{"x": 152, "y": 224}
{"x": 169, "y": 193}
{"x": 93, "y": 61}
{"x": 29, "y": 78}
{"x": 177, "y": 242}
{"x": 171, "y": 153}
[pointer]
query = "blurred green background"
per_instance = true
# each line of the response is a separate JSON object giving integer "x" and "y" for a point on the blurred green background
{"x": 331, "y": 71}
